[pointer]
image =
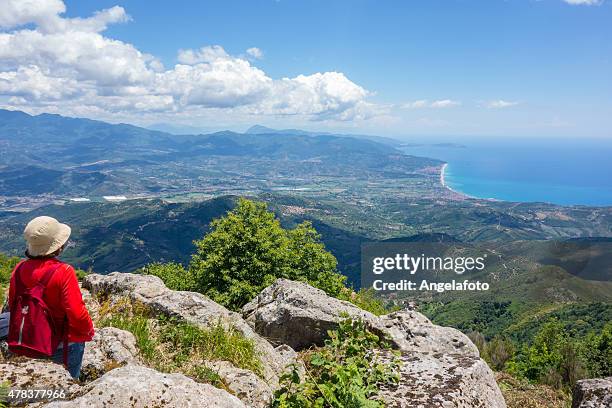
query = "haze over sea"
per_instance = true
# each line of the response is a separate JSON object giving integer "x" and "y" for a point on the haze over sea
{"x": 556, "y": 171}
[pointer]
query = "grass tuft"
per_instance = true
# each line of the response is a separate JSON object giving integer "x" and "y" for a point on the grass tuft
{"x": 170, "y": 345}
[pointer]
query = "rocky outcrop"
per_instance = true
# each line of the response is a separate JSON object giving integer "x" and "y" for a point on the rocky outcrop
{"x": 411, "y": 331}
{"x": 25, "y": 373}
{"x": 441, "y": 367}
{"x": 593, "y": 393}
{"x": 244, "y": 384}
{"x": 110, "y": 348}
{"x": 188, "y": 306}
{"x": 443, "y": 380}
{"x": 141, "y": 387}
{"x": 296, "y": 314}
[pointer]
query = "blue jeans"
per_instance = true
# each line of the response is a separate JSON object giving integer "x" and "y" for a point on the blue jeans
{"x": 75, "y": 358}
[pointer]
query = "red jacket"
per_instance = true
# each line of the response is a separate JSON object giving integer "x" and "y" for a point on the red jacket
{"x": 62, "y": 296}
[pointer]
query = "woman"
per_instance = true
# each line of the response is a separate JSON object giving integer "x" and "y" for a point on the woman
{"x": 46, "y": 239}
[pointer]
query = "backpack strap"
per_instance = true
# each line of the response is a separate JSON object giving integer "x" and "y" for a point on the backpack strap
{"x": 20, "y": 287}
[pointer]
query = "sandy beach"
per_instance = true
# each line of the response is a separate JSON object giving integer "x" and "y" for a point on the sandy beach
{"x": 442, "y": 170}
{"x": 458, "y": 194}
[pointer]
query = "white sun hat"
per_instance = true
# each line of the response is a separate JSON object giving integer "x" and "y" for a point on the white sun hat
{"x": 45, "y": 235}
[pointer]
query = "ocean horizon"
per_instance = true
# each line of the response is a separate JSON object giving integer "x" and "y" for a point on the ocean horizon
{"x": 564, "y": 172}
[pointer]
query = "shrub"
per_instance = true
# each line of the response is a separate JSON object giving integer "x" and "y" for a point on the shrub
{"x": 346, "y": 372}
{"x": 479, "y": 341}
{"x": 174, "y": 275}
{"x": 552, "y": 358}
{"x": 498, "y": 352}
{"x": 597, "y": 352}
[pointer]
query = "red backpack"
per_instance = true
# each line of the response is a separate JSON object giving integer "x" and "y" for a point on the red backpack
{"x": 32, "y": 331}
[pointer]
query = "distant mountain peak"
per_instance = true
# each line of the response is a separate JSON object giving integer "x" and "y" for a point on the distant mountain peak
{"x": 259, "y": 129}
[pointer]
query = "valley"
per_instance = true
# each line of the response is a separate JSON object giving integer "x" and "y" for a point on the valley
{"x": 135, "y": 196}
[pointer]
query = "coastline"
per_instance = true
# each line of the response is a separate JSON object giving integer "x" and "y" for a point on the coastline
{"x": 461, "y": 194}
{"x": 442, "y": 171}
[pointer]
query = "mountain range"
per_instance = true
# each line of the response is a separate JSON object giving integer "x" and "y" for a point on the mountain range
{"x": 353, "y": 189}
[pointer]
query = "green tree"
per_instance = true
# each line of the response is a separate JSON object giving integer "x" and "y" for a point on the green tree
{"x": 248, "y": 249}
{"x": 551, "y": 359}
{"x": 597, "y": 352}
{"x": 174, "y": 275}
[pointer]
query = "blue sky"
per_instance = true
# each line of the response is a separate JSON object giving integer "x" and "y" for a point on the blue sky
{"x": 520, "y": 68}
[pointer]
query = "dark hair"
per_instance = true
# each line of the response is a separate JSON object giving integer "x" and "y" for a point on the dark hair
{"x": 48, "y": 256}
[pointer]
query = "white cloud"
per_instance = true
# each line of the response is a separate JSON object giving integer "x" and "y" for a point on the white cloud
{"x": 204, "y": 54}
{"x": 221, "y": 82}
{"x": 584, "y": 2}
{"x": 445, "y": 103}
{"x": 325, "y": 95}
{"x": 423, "y": 103}
{"x": 30, "y": 82}
{"x": 68, "y": 65}
{"x": 500, "y": 104}
{"x": 255, "y": 52}
{"x": 14, "y": 13}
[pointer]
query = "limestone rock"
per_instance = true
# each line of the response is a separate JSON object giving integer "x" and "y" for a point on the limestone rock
{"x": 25, "y": 373}
{"x": 441, "y": 367}
{"x": 188, "y": 306}
{"x": 140, "y": 387}
{"x": 244, "y": 384}
{"x": 110, "y": 348}
{"x": 411, "y": 331}
{"x": 443, "y": 380}
{"x": 593, "y": 393}
{"x": 298, "y": 315}
{"x": 93, "y": 307}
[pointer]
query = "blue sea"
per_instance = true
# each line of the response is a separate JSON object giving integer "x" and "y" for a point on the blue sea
{"x": 561, "y": 171}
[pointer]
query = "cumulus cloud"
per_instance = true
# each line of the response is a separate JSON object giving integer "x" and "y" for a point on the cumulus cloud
{"x": 14, "y": 13}
{"x": 584, "y": 2}
{"x": 500, "y": 103}
{"x": 423, "y": 103}
{"x": 46, "y": 59}
{"x": 30, "y": 82}
{"x": 255, "y": 52}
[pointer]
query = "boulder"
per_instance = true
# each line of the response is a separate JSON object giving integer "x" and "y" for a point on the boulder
{"x": 26, "y": 373}
{"x": 409, "y": 330}
{"x": 443, "y": 380}
{"x": 140, "y": 387}
{"x": 244, "y": 384}
{"x": 296, "y": 314}
{"x": 188, "y": 306}
{"x": 110, "y": 348}
{"x": 441, "y": 366}
{"x": 593, "y": 393}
